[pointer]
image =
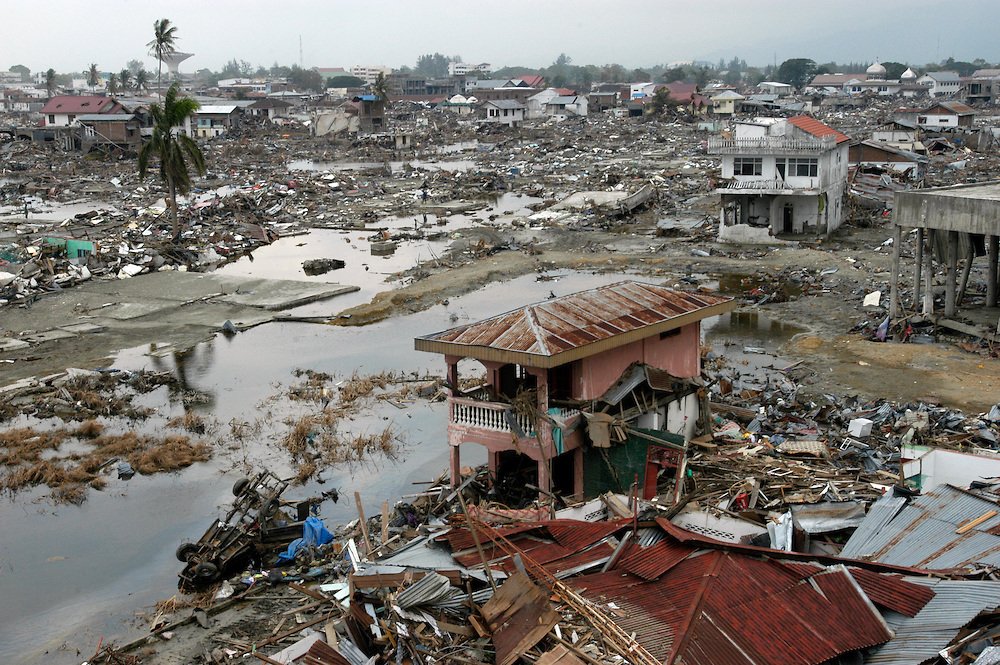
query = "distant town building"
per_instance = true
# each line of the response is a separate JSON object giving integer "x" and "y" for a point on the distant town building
{"x": 464, "y": 68}
{"x": 368, "y": 73}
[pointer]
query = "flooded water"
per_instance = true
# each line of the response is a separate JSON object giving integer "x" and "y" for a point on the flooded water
{"x": 72, "y": 574}
{"x": 283, "y": 258}
{"x": 461, "y": 166}
{"x": 750, "y": 342}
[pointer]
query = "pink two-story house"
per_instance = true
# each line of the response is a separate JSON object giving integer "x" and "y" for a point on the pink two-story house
{"x": 549, "y": 365}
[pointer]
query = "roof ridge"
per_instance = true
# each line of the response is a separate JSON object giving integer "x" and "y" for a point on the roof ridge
{"x": 529, "y": 312}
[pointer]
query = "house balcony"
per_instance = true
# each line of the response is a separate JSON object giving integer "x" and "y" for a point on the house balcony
{"x": 797, "y": 186}
{"x": 497, "y": 426}
{"x": 769, "y": 145}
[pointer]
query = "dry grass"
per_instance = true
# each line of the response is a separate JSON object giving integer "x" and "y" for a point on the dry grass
{"x": 69, "y": 476}
{"x": 190, "y": 422}
{"x": 89, "y": 429}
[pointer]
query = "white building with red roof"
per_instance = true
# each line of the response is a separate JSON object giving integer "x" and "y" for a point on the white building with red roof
{"x": 63, "y": 110}
{"x": 780, "y": 177}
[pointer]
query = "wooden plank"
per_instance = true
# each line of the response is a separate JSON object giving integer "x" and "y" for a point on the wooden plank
{"x": 558, "y": 655}
{"x": 363, "y": 522}
{"x": 976, "y": 522}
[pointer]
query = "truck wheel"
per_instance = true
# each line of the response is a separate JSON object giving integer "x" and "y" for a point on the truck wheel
{"x": 206, "y": 572}
{"x": 184, "y": 551}
{"x": 240, "y": 486}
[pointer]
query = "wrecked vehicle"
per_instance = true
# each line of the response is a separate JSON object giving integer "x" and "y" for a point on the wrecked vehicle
{"x": 257, "y": 524}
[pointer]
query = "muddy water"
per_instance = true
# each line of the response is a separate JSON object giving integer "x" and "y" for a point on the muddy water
{"x": 283, "y": 258}
{"x": 71, "y": 574}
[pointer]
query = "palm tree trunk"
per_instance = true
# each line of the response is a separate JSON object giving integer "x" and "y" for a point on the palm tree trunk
{"x": 175, "y": 222}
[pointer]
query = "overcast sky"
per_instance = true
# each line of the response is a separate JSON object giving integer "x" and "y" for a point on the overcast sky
{"x": 68, "y": 35}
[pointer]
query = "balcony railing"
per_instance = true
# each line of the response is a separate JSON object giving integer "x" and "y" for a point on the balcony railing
{"x": 768, "y": 145}
{"x": 493, "y": 416}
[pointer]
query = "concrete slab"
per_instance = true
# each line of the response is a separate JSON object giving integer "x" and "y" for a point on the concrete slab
{"x": 134, "y": 310}
{"x": 11, "y": 344}
{"x": 583, "y": 200}
{"x": 83, "y": 328}
{"x": 276, "y": 295}
{"x": 48, "y": 336}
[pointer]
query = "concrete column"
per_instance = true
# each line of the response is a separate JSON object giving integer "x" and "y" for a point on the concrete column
{"x": 970, "y": 256}
{"x": 897, "y": 240}
{"x": 992, "y": 245}
{"x": 578, "y": 473}
{"x": 952, "y": 275}
{"x": 928, "y": 308}
{"x": 544, "y": 481}
{"x": 917, "y": 265}
{"x": 456, "y": 466}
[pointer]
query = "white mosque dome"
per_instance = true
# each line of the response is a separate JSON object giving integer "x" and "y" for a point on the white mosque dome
{"x": 875, "y": 71}
{"x": 908, "y": 75}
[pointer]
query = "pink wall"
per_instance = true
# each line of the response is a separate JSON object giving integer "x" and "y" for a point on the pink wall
{"x": 678, "y": 354}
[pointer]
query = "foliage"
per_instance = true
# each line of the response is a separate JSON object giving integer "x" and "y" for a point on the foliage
{"x": 797, "y": 72}
{"x": 344, "y": 82}
{"x": 640, "y": 76}
{"x": 893, "y": 70}
{"x": 162, "y": 45}
{"x": 662, "y": 101}
{"x": 113, "y": 84}
{"x": 433, "y": 65}
{"x": 50, "y": 81}
{"x": 141, "y": 80}
{"x": 305, "y": 79}
{"x": 134, "y": 67}
{"x": 125, "y": 79}
{"x": 176, "y": 152}
{"x": 22, "y": 70}
{"x": 380, "y": 88}
{"x": 674, "y": 74}
{"x": 237, "y": 69}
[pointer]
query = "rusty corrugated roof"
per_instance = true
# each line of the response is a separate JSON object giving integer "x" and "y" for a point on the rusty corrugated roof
{"x": 651, "y": 562}
{"x": 555, "y": 331}
{"x": 811, "y": 125}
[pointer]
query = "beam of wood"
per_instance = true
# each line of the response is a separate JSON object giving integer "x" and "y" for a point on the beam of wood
{"x": 363, "y": 522}
{"x": 990, "y": 514}
{"x": 385, "y": 521}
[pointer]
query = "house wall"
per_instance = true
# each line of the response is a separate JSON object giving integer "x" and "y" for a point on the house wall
{"x": 677, "y": 354}
{"x": 933, "y": 467}
{"x": 932, "y": 119}
{"x": 677, "y": 417}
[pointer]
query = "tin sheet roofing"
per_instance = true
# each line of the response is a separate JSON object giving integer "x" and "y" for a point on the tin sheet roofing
{"x": 596, "y": 319}
{"x": 920, "y": 638}
{"x": 718, "y": 607}
{"x": 924, "y": 534}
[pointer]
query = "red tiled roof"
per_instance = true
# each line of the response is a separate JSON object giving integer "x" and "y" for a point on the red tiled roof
{"x": 81, "y": 104}
{"x": 533, "y": 80}
{"x": 813, "y": 126}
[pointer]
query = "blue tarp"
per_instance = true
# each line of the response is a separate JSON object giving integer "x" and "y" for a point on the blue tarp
{"x": 314, "y": 533}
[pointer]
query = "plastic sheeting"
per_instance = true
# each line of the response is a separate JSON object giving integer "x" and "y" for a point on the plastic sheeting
{"x": 314, "y": 534}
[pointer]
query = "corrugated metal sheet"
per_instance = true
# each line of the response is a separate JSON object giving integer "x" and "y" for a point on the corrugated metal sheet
{"x": 923, "y": 534}
{"x": 651, "y": 562}
{"x": 575, "y": 535}
{"x": 955, "y": 604}
{"x": 879, "y": 514}
{"x": 893, "y": 592}
{"x": 615, "y": 314}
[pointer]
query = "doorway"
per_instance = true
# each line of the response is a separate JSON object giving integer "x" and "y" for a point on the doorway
{"x": 787, "y": 215}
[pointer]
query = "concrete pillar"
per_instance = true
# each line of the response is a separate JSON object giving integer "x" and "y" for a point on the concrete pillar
{"x": 928, "y": 308}
{"x": 544, "y": 481}
{"x": 992, "y": 245}
{"x": 970, "y": 256}
{"x": 952, "y": 275}
{"x": 456, "y": 466}
{"x": 897, "y": 240}
{"x": 917, "y": 265}
{"x": 578, "y": 473}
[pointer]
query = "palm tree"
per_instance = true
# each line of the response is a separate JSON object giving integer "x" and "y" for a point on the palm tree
{"x": 125, "y": 78}
{"x": 162, "y": 45}
{"x": 50, "y": 81}
{"x": 176, "y": 151}
{"x": 380, "y": 88}
{"x": 93, "y": 76}
{"x": 113, "y": 84}
{"x": 142, "y": 81}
